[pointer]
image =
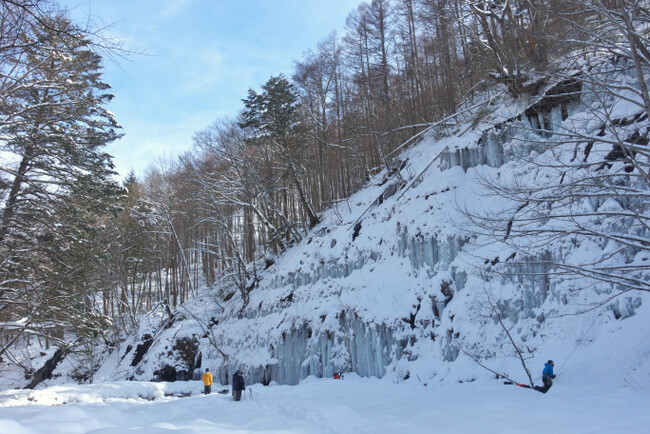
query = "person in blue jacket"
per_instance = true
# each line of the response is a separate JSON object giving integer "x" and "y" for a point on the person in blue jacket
{"x": 547, "y": 377}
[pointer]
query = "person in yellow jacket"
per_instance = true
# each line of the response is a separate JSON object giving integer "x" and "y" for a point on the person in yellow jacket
{"x": 207, "y": 382}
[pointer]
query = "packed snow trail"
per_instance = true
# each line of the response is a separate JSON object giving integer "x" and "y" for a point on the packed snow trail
{"x": 363, "y": 405}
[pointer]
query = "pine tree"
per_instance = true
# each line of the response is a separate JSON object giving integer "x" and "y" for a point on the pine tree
{"x": 55, "y": 127}
{"x": 273, "y": 117}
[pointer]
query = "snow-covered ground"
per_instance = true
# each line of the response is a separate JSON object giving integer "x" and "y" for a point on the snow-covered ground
{"x": 354, "y": 404}
{"x": 400, "y": 288}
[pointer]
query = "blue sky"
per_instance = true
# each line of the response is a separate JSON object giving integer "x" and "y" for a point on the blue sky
{"x": 201, "y": 58}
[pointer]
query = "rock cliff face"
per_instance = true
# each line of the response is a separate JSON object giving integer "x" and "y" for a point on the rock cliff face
{"x": 400, "y": 281}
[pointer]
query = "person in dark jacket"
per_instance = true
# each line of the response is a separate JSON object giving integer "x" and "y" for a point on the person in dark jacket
{"x": 237, "y": 386}
{"x": 547, "y": 377}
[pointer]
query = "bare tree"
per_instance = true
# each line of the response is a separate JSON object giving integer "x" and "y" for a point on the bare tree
{"x": 590, "y": 185}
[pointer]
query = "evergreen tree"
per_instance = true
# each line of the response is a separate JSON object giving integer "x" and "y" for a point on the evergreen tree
{"x": 273, "y": 117}
{"x": 55, "y": 128}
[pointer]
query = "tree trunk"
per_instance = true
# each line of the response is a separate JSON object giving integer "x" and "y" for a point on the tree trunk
{"x": 10, "y": 205}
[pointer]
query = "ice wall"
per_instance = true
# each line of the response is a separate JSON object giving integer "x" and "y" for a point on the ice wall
{"x": 489, "y": 150}
{"x": 353, "y": 346}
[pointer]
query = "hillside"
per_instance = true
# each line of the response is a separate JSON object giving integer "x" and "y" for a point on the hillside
{"x": 420, "y": 272}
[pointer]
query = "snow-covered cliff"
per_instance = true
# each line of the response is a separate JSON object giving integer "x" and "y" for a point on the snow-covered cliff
{"x": 401, "y": 281}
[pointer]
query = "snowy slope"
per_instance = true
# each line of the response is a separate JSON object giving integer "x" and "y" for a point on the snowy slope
{"x": 393, "y": 282}
{"x": 396, "y": 281}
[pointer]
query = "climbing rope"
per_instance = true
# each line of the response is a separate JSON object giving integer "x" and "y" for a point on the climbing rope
{"x": 579, "y": 342}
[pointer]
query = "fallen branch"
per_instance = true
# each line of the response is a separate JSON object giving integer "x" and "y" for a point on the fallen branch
{"x": 498, "y": 374}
